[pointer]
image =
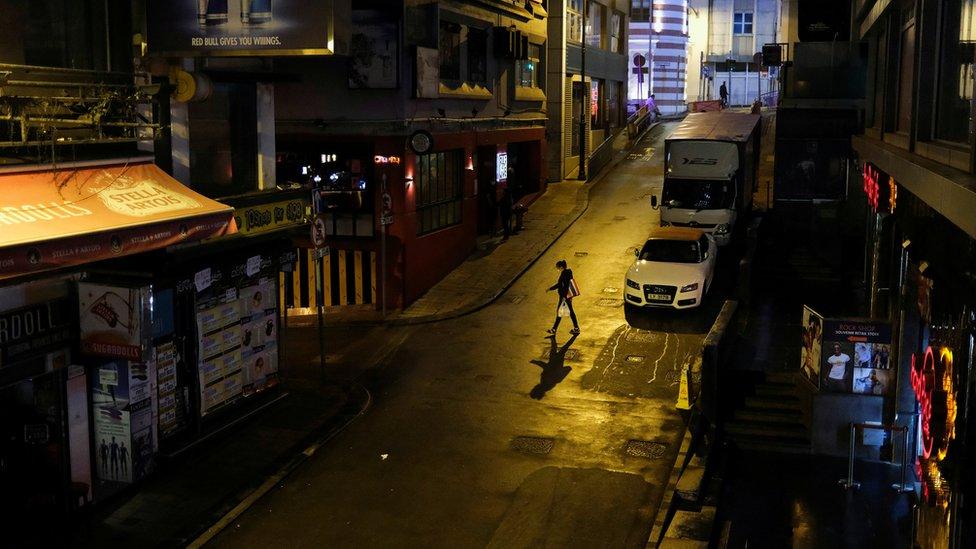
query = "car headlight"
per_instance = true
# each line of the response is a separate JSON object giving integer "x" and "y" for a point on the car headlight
{"x": 690, "y": 287}
{"x": 665, "y": 223}
{"x": 722, "y": 229}
{"x": 632, "y": 284}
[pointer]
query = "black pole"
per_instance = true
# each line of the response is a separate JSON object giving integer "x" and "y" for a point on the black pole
{"x": 584, "y": 100}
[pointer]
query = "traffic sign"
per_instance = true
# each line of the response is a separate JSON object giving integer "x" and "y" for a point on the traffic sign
{"x": 639, "y": 60}
{"x": 318, "y": 231}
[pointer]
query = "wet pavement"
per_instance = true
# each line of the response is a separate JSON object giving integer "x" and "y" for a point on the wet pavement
{"x": 482, "y": 432}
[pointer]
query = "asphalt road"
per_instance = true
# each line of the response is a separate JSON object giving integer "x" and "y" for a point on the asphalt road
{"x": 484, "y": 433}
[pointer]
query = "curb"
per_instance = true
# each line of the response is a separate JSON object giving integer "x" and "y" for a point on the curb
{"x": 315, "y": 440}
{"x": 582, "y": 204}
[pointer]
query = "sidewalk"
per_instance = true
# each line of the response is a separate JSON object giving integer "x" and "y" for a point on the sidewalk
{"x": 190, "y": 492}
{"x": 496, "y": 265}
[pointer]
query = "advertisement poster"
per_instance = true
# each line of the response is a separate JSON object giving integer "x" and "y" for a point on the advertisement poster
{"x": 260, "y": 340}
{"x": 373, "y": 61}
{"x": 219, "y": 350}
{"x": 812, "y": 331}
{"x": 855, "y": 357}
{"x": 121, "y": 413}
{"x": 111, "y": 320}
{"x": 234, "y": 27}
{"x": 29, "y": 331}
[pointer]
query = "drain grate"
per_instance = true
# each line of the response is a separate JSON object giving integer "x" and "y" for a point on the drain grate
{"x": 635, "y": 358}
{"x": 619, "y": 218}
{"x": 646, "y": 449}
{"x": 532, "y": 445}
{"x": 609, "y": 302}
{"x": 571, "y": 354}
{"x": 581, "y": 254}
{"x": 516, "y": 299}
{"x": 611, "y": 290}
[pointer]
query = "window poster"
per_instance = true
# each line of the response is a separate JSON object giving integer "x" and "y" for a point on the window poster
{"x": 855, "y": 357}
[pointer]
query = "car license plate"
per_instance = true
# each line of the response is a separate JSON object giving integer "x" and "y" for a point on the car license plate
{"x": 658, "y": 297}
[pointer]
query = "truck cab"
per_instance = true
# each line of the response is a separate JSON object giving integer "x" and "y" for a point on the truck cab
{"x": 710, "y": 172}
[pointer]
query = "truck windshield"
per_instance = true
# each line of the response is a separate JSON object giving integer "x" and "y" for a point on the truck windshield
{"x": 697, "y": 194}
{"x": 671, "y": 251}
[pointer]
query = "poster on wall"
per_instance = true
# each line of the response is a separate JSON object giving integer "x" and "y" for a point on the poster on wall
{"x": 855, "y": 357}
{"x": 112, "y": 320}
{"x": 373, "y": 55}
{"x": 122, "y": 421}
{"x": 428, "y": 73}
{"x": 235, "y": 27}
{"x": 812, "y": 333}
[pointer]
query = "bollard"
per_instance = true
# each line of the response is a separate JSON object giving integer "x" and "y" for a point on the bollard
{"x": 848, "y": 483}
{"x": 904, "y": 487}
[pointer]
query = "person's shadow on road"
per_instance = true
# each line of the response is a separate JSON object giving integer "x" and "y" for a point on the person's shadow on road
{"x": 554, "y": 370}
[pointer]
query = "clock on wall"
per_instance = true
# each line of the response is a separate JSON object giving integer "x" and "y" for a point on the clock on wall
{"x": 421, "y": 142}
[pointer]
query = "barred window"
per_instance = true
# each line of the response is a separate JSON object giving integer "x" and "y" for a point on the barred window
{"x": 438, "y": 179}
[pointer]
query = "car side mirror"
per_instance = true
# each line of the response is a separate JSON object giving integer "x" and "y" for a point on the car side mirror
{"x": 636, "y": 252}
{"x": 654, "y": 201}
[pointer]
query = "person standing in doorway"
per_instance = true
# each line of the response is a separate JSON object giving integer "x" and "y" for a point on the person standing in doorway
{"x": 723, "y": 93}
{"x": 505, "y": 208}
{"x": 564, "y": 287}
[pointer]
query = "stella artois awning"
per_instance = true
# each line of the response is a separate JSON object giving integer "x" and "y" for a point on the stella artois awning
{"x": 58, "y": 218}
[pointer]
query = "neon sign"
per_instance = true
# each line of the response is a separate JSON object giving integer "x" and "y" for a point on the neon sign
{"x": 935, "y": 392}
{"x": 378, "y": 159}
{"x": 871, "y": 188}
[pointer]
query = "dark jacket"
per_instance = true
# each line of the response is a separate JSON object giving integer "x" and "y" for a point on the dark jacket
{"x": 562, "y": 285}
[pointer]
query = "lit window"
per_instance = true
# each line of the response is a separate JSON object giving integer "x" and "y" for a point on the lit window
{"x": 529, "y": 68}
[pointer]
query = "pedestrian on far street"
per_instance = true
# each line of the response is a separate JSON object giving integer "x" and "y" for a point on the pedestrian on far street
{"x": 566, "y": 288}
{"x": 505, "y": 208}
{"x": 723, "y": 93}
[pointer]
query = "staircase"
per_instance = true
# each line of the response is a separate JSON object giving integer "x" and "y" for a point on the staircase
{"x": 771, "y": 418}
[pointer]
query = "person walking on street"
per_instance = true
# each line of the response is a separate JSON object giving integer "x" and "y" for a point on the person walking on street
{"x": 723, "y": 93}
{"x": 565, "y": 286}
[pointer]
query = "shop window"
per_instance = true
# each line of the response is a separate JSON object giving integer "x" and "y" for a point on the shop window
{"x": 574, "y": 21}
{"x": 450, "y": 50}
{"x": 617, "y": 32}
{"x": 640, "y": 10}
{"x": 742, "y": 22}
{"x": 438, "y": 179}
{"x": 341, "y": 177}
{"x": 906, "y": 71}
{"x": 594, "y": 25}
{"x": 477, "y": 56}
{"x": 55, "y": 33}
{"x": 597, "y": 115}
{"x": 529, "y": 68}
{"x": 955, "y": 84}
{"x": 613, "y": 104}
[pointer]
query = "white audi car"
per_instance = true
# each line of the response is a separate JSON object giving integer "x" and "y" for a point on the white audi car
{"x": 674, "y": 268}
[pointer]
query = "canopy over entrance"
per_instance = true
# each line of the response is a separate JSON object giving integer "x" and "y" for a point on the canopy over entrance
{"x": 58, "y": 218}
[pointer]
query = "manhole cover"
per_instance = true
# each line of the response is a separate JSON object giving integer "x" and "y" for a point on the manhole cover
{"x": 619, "y": 218}
{"x": 532, "y": 445}
{"x": 635, "y": 358}
{"x": 571, "y": 354}
{"x": 581, "y": 254}
{"x": 611, "y": 290}
{"x": 516, "y": 299}
{"x": 609, "y": 302}
{"x": 646, "y": 449}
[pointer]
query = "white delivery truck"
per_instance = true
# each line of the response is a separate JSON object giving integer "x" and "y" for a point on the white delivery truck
{"x": 710, "y": 164}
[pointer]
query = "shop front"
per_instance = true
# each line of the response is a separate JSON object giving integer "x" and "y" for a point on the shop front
{"x": 398, "y": 217}
{"x": 76, "y": 370}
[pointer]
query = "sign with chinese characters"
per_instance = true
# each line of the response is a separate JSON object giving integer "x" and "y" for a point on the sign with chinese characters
{"x": 880, "y": 189}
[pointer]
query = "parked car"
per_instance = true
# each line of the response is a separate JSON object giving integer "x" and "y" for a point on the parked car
{"x": 674, "y": 268}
